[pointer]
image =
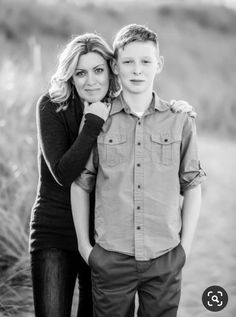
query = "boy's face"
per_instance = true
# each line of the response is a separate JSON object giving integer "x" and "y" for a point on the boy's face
{"x": 137, "y": 65}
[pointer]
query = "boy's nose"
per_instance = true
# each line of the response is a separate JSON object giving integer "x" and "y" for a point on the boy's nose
{"x": 137, "y": 69}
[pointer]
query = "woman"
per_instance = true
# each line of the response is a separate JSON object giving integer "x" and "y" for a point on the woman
{"x": 63, "y": 152}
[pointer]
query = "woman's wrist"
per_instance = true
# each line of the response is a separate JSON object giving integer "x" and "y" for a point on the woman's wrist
{"x": 93, "y": 124}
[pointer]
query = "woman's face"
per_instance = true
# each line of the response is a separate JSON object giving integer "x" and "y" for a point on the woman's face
{"x": 91, "y": 77}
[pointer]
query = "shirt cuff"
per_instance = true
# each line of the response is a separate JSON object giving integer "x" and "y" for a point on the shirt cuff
{"x": 196, "y": 179}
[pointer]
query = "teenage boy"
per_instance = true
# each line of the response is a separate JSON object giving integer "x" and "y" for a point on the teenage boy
{"x": 146, "y": 157}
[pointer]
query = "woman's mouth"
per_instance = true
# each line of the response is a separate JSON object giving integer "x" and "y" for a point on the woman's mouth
{"x": 92, "y": 91}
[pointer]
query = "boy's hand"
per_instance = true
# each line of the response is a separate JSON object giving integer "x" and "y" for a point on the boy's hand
{"x": 186, "y": 248}
{"x": 182, "y": 106}
{"x": 85, "y": 252}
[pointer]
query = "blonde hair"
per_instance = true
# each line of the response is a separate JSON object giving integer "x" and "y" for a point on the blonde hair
{"x": 131, "y": 33}
{"x": 61, "y": 82}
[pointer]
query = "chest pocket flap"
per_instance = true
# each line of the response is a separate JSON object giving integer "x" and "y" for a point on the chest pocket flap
{"x": 165, "y": 148}
{"x": 112, "y": 139}
{"x": 113, "y": 149}
{"x": 165, "y": 138}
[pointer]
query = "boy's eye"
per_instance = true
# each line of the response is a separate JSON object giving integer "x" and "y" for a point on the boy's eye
{"x": 127, "y": 62}
{"x": 145, "y": 61}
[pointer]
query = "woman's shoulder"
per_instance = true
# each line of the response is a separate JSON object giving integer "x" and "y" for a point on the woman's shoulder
{"x": 45, "y": 103}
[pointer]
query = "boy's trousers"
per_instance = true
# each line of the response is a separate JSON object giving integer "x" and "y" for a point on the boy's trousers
{"x": 117, "y": 277}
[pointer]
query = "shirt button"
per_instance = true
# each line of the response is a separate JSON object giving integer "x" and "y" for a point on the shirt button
{"x": 139, "y": 186}
{"x": 138, "y": 207}
{"x": 138, "y": 165}
{"x": 138, "y": 228}
{"x": 139, "y": 143}
{"x": 166, "y": 140}
{"x": 139, "y": 123}
{"x": 110, "y": 140}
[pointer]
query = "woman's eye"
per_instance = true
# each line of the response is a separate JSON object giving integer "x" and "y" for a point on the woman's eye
{"x": 127, "y": 62}
{"x": 80, "y": 74}
{"x": 99, "y": 70}
{"x": 146, "y": 61}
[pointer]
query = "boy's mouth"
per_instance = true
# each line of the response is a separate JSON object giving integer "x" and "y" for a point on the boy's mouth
{"x": 137, "y": 81}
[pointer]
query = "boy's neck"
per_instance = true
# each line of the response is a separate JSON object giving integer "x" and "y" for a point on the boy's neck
{"x": 138, "y": 102}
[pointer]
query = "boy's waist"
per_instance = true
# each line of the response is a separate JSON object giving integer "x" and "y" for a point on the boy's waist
{"x": 145, "y": 254}
{"x": 146, "y": 234}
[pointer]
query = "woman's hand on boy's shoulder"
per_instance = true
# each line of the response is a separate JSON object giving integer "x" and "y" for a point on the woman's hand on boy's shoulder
{"x": 182, "y": 106}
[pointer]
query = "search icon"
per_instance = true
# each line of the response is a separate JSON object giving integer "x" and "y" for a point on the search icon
{"x": 215, "y": 298}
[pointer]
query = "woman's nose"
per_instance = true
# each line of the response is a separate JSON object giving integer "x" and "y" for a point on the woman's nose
{"x": 90, "y": 79}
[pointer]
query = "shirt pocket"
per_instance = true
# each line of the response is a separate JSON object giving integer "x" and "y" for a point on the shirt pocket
{"x": 165, "y": 148}
{"x": 112, "y": 149}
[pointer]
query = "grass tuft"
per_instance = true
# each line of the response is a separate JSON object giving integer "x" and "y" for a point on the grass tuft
{"x": 15, "y": 280}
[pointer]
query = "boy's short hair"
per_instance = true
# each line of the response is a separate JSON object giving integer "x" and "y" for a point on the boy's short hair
{"x": 131, "y": 33}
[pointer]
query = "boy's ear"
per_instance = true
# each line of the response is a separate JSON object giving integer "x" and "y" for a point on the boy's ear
{"x": 114, "y": 66}
{"x": 160, "y": 64}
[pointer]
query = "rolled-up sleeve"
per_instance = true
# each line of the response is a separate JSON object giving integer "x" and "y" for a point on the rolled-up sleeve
{"x": 190, "y": 174}
{"x": 87, "y": 178}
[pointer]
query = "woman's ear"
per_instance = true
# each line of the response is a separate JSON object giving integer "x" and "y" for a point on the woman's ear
{"x": 160, "y": 64}
{"x": 113, "y": 64}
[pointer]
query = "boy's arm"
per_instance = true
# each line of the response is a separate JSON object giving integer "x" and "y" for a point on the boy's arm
{"x": 191, "y": 176}
{"x": 80, "y": 190}
{"x": 80, "y": 213}
{"x": 190, "y": 172}
{"x": 190, "y": 214}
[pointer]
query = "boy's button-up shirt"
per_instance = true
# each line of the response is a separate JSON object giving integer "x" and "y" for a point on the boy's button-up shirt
{"x": 142, "y": 166}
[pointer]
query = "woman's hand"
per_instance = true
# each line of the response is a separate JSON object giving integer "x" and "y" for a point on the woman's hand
{"x": 99, "y": 108}
{"x": 182, "y": 106}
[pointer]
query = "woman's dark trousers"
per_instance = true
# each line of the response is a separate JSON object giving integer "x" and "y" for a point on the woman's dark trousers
{"x": 54, "y": 274}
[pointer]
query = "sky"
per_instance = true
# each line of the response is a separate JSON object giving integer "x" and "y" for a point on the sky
{"x": 227, "y": 3}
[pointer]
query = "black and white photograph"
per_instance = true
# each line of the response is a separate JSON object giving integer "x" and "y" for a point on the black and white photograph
{"x": 117, "y": 158}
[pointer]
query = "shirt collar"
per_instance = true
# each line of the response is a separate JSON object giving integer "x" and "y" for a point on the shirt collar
{"x": 120, "y": 104}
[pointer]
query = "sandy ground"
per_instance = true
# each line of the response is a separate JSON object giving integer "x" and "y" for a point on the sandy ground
{"x": 213, "y": 257}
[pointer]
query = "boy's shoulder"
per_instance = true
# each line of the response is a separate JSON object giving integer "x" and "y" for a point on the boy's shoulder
{"x": 176, "y": 122}
{"x": 116, "y": 105}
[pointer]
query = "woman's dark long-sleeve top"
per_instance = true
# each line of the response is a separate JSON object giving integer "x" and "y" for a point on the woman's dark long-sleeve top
{"x": 62, "y": 155}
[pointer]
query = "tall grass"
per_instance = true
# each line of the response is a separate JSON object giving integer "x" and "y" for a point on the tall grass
{"x": 15, "y": 284}
{"x": 17, "y": 185}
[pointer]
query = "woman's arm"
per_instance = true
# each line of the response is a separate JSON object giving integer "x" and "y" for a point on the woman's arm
{"x": 65, "y": 162}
